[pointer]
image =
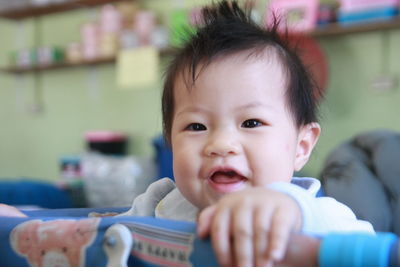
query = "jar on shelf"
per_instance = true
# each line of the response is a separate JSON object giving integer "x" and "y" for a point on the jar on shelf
{"x": 48, "y": 55}
{"x": 110, "y": 19}
{"x": 74, "y": 52}
{"x": 90, "y": 35}
{"x": 144, "y": 24}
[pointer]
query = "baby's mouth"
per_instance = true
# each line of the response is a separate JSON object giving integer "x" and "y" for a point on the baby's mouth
{"x": 226, "y": 177}
{"x": 227, "y": 181}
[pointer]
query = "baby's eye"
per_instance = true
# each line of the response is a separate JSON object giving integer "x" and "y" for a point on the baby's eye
{"x": 252, "y": 123}
{"x": 196, "y": 127}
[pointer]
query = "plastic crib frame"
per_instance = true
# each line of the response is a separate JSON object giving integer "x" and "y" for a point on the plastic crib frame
{"x": 68, "y": 237}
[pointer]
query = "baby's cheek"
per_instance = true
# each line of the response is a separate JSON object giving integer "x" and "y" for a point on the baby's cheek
{"x": 183, "y": 166}
{"x": 191, "y": 188}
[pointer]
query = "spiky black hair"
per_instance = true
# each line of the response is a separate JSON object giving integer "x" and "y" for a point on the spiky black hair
{"x": 226, "y": 30}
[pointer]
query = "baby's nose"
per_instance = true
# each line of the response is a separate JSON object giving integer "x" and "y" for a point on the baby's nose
{"x": 222, "y": 145}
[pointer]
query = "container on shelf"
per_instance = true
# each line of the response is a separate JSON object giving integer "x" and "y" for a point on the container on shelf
{"x": 90, "y": 35}
{"x": 360, "y": 5}
{"x": 107, "y": 142}
{"x": 128, "y": 39}
{"x": 74, "y": 52}
{"x": 70, "y": 167}
{"x": 360, "y": 11}
{"x": 109, "y": 44}
{"x": 295, "y": 15}
{"x": 127, "y": 11}
{"x": 110, "y": 19}
{"x": 144, "y": 25}
{"x": 367, "y": 16}
{"x": 49, "y": 55}
{"x": 26, "y": 58}
{"x": 160, "y": 37}
{"x": 326, "y": 14}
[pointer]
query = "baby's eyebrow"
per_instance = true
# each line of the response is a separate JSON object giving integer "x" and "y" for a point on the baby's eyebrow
{"x": 246, "y": 106}
{"x": 255, "y": 104}
{"x": 192, "y": 109}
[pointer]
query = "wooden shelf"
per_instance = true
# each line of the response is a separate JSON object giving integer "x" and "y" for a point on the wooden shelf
{"x": 95, "y": 62}
{"x": 330, "y": 30}
{"x": 34, "y": 11}
{"x": 29, "y": 11}
{"x": 337, "y": 29}
{"x": 20, "y": 70}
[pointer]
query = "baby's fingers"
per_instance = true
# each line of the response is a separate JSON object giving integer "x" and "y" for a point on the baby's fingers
{"x": 220, "y": 237}
{"x": 281, "y": 228}
{"x": 262, "y": 224}
{"x": 205, "y": 221}
{"x": 243, "y": 236}
{"x": 10, "y": 211}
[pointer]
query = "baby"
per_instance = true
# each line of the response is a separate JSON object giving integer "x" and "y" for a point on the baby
{"x": 240, "y": 115}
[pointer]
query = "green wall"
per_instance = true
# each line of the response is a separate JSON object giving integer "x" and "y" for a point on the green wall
{"x": 352, "y": 105}
{"x": 73, "y": 101}
{"x": 76, "y": 100}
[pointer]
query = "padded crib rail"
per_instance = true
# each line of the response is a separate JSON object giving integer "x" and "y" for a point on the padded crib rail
{"x": 68, "y": 237}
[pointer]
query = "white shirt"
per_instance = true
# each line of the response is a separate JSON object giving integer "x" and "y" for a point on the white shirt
{"x": 162, "y": 199}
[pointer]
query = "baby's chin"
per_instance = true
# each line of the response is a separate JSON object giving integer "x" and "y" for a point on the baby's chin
{"x": 208, "y": 198}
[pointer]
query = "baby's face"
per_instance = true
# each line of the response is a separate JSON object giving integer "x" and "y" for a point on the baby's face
{"x": 233, "y": 130}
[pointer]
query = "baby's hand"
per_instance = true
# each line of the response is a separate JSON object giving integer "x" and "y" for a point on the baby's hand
{"x": 250, "y": 227}
{"x": 10, "y": 211}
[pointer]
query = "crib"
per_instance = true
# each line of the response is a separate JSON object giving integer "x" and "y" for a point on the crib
{"x": 72, "y": 237}
{"x": 68, "y": 237}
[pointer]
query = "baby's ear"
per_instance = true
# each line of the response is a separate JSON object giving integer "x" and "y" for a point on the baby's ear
{"x": 308, "y": 137}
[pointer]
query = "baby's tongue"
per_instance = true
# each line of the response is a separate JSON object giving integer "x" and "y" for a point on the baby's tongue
{"x": 226, "y": 177}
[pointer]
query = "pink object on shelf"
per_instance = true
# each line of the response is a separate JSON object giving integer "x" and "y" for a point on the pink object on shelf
{"x": 105, "y": 136}
{"x": 295, "y": 15}
{"x": 110, "y": 19}
{"x": 359, "y": 5}
{"x": 144, "y": 24}
{"x": 90, "y": 33}
{"x": 90, "y": 51}
{"x": 196, "y": 16}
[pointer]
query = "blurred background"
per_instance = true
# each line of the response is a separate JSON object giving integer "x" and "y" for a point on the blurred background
{"x": 80, "y": 85}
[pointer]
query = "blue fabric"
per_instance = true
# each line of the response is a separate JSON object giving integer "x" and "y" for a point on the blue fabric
{"x": 72, "y": 212}
{"x": 321, "y": 192}
{"x": 30, "y": 192}
{"x": 163, "y": 157}
{"x": 356, "y": 250}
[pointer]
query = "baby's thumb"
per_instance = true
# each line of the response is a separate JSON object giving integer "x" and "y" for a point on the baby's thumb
{"x": 204, "y": 221}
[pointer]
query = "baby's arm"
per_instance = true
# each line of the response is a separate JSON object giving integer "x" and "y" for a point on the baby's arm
{"x": 10, "y": 211}
{"x": 322, "y": 214}
{"x": 251, "y": 227}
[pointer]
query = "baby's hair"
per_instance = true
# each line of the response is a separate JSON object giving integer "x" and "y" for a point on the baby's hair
{"x": 226, "y": 30}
